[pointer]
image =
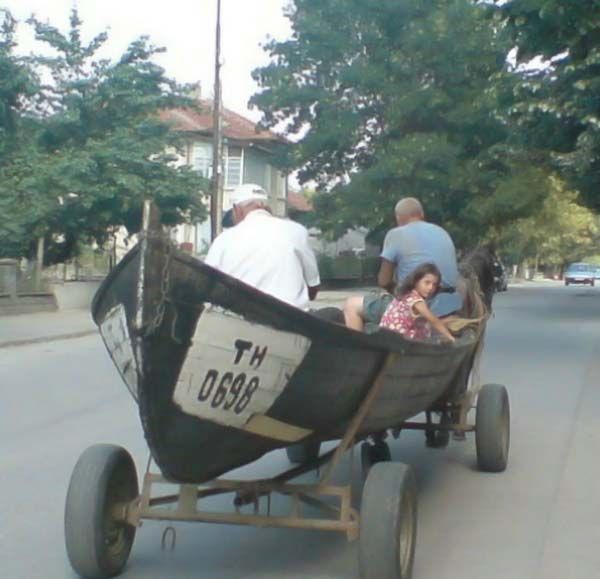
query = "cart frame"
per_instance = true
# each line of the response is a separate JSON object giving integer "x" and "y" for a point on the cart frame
{"x": 342, "y": 517}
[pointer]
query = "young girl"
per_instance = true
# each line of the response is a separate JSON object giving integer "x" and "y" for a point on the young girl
{"x": 408, "y": 313}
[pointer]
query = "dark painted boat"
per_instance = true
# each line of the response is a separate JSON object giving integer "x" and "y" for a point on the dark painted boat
{"x": 223, "y": 373}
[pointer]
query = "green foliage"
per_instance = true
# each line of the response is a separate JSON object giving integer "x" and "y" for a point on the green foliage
{"x": 347, "y": 267}
{"x": 561, "y": 231}
{"x": 558, "y": 105}
{"x": 18, "y": 84}
{"x": 97, "y": 148}
{"x": 393, "y": 99}
{"x": 594, "y": 259}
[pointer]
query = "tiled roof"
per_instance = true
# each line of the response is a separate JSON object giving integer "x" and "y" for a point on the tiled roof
{"x": 234, "y": 126}
{"x": 298, "y": 202}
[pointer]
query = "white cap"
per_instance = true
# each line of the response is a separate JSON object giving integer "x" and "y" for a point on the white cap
{"x": 248, "y": 192}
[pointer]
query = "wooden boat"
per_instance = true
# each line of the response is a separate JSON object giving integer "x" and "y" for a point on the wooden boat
{"x": 223, "y": 373}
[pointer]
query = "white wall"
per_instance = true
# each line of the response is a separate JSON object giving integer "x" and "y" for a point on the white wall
{"x": 75, "y": 294}
{"x": 352, "y": 240}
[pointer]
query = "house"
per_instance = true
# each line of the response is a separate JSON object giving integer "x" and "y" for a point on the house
{"x": 247, "y": 158}
{"x": 353, "y": 242}
{"x": 298, "y": 204}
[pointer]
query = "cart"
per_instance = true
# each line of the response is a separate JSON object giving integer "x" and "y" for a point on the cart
{"x": 153, "y": 315}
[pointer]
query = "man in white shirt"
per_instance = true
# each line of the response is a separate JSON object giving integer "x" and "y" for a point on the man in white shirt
{"x": 270, "y": 253}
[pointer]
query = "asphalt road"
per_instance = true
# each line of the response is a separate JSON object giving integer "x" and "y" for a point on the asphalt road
{"x": 538, "y": 520}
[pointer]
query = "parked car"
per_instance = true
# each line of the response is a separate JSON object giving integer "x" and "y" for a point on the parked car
{"x": 580, "y": 273}
{"x": 500, "y": 277}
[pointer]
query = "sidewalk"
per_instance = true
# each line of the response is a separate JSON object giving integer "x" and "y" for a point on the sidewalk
{"x": 27, "y": 329}
{"x": 336, "y": 297}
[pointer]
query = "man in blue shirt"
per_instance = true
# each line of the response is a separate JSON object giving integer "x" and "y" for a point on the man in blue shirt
{"x": 413, "y": 242}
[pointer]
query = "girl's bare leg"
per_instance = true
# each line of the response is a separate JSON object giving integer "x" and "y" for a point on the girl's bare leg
{"x": 354, "y": 313}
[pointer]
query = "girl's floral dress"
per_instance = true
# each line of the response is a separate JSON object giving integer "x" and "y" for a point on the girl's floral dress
{"x": 400, "y": 317}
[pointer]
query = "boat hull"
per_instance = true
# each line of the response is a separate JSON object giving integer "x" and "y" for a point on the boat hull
{"x": 223, "y": 373}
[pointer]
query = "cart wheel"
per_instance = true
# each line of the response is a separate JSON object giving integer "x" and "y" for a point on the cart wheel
{"x": 492, "y": 428}
{"x": 371, "y": 454}
{"x": 97, "y": 544}
{"x": 388, "y": 523}
{"x": 303, "y": 452}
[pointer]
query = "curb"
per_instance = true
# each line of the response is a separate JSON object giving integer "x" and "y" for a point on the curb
{"x": 59, "y": 337}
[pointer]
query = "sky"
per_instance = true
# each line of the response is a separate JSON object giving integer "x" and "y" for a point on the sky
{"x": 186, "y": 28}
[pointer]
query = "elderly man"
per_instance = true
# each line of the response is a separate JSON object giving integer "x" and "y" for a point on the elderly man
{"x": 267, "y": 252}
{"x": 412, "y": 243}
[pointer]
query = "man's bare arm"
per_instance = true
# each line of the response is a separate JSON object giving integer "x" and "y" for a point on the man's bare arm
{"x": 385, "y": 277}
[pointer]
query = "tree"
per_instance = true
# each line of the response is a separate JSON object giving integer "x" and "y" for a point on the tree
{"x": 558, "y": 104}
{"x": 560, "y": 232}
{"x": 390, "y": 99}
{"x": 18, "y": 85}
{"x": 101, "y": 148}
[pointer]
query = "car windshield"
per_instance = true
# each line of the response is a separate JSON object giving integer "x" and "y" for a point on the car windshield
{"x": 579, "y": 267}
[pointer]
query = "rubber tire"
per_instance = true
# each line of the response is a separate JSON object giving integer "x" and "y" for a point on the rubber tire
{"x": 371, "y": 454}
{"x": 492, "y": 428}
{"x": 388, "y": 518}
{"x": 104, "y": 475}
{"x": 567, "y": 283}
{"x": 303, "y": 452}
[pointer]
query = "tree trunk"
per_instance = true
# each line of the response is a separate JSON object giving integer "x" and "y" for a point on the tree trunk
{"x": 39, "y": 264}
{"x": 536, "y": 265}
{"x": 113, "y": 256}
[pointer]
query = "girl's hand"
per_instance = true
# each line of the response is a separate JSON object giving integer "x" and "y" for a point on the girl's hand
{"x": 422, "y": 309}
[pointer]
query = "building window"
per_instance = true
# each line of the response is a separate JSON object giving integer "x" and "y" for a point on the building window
{"x": 233, "y": 166}
{"x": 202, "y": 159}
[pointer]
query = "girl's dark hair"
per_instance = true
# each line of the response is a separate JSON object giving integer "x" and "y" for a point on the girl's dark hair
{"x": 411, "y": 280}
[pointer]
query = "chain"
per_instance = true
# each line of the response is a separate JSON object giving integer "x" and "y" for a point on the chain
{"x": 164, "y": 292}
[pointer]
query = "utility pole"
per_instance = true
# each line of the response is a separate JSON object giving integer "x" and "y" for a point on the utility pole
{"x": 216, "y": 199}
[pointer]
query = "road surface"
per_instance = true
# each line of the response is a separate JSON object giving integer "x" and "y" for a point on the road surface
{"x": 538, "y": 520}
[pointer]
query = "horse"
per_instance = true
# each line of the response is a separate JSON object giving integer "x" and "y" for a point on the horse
{"x": 479, "y": 263}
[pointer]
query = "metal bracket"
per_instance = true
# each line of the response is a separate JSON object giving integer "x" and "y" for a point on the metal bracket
{"x": 343, "y": 518}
